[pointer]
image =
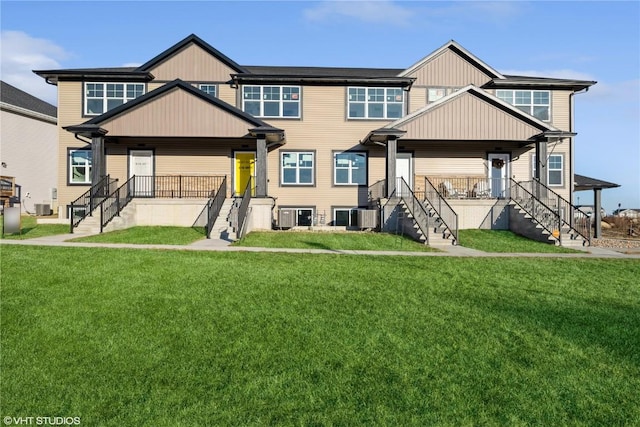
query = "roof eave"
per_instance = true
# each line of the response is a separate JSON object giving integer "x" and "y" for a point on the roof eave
{"x": 54, "y": 76}
{"x": 323, "y": 80}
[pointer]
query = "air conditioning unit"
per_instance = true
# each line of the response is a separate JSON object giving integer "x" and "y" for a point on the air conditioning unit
{"x": 43, "y": 209}
{"x": 367, "y": 218}
{"x": 287, "y": 218}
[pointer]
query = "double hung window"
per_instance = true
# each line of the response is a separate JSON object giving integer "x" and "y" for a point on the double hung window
{"x": 271, "y": 101}
{"x": 209, "y": 89}
{"x": 534, "y": 102}
{"x": 102, "y": 97}
{"x": 80, "y": 166}
{"x": 350, "y": 168}
{"x": 554, "y": 169}
{"x": 375, "y": 103}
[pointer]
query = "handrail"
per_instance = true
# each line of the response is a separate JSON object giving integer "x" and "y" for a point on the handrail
{"x": 176, "y": 186}
{"x": 112, "y": 205}
{"x": 535, "y": 207}
{"x": 214, "y": 205}
{"x": 570, "y": 215}
{"x": 88, "y": 200}
{"x": 416, "y": 208}
{"x": 378, "y": 190}
{"x": 443, "y": 210}
{"x": 243, "y": 209}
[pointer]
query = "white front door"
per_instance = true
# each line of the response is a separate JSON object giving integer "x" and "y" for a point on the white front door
{"x": 499, "y": 166}
{"x": 404, "y": 171}
{"x": 141, "y": 165}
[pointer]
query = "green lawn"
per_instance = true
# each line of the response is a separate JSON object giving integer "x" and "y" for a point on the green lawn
{"x": 124, "y": 337}
{"x": 506, "y": 241}
{"x": 333, "y": 241}
{"x": 150, "y": 235}
{"x": 31, "y": 229}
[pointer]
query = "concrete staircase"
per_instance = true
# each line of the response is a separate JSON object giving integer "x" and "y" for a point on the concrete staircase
{"x": 91, "y": 224}
{"x": 223, "y": 227}
{"x": 439, "y": 234}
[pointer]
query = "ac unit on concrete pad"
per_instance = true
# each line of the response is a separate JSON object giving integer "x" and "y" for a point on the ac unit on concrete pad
{"x": 367, "y": 218}
{"x": 287, "y": 218}
{"x": 43, "y": 209}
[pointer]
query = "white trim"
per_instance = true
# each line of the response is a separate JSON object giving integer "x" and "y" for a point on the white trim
{"x": 105, "y": 98}
{"x": 29, "y": 113}
{"x": 280, "y": 101}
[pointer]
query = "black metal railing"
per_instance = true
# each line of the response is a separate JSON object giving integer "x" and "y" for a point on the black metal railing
{"x": 415, "y": 206}
{"x": 378, "y": 190}
{"x": 176, "y": 186}
{"x": 84, "y": 205}
{"x": 535, "y": 205}
{"x": 112, "y": 205}
{"x": 571, "y": 217}
{"x": 242, "y": 211}
{"x": 444, "y": 212}
{"x": 470, "y": 187}
{"x": 214, "y": 205}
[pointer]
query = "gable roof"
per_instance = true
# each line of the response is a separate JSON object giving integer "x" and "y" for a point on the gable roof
{"x": 192, "y": 39}
{"x": 11, "y": 95}
{"x": 511, "y": 81}
{"x": 459, "y": 50}
{"x": 121, "y": 109}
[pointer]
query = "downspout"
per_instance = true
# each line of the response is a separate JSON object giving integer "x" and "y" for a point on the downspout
{"x": 572, "y": 151}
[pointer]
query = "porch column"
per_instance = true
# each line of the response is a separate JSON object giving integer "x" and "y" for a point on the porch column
{"x": 392, "y": 151}
{"x": 597, "y": 232}
{"x": 541, "y": 168}
{"x": 98, "y": 164}
{"x": 261, "y": 166}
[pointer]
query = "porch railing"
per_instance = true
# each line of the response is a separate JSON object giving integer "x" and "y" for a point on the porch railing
{"x": 214, "y": 205}
{"x": 112, "y": 205}
{"x": 84, "y": 205}
{"x": 570, "y": 216}
{"x": 176, "y": 186}
{"x": 470, "y": 187}
{"x": 378, "y": 190}
{"x": 415, "y": 206}
{"x": 443, "y": 210}
{"x": 243, "y": 210}
{"x": 535, "y": 205}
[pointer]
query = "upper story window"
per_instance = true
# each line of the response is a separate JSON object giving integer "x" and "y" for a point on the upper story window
{"x": 102, "y": 97}
{"x": 271, "y": 101}
{"x": 534, "y": 102}
{"x": 375, "y": 103}
{"x": 435, "y": 93}
{"x": 209, "y": 89}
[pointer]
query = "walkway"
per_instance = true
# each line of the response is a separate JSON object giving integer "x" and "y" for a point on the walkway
{"x": 224, "y": 246}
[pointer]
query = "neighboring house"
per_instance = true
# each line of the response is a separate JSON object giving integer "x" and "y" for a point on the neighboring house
{"x": 320, "y": 146}
{"x": 629, "y": 213}
{"x": 29, "y": 148}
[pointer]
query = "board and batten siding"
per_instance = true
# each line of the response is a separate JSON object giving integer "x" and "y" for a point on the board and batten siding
{"x": 448, "y": 69}
{"x": 194, "y": 64}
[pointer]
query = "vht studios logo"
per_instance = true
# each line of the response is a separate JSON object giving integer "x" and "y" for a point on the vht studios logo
{"x": 42, "y": 421}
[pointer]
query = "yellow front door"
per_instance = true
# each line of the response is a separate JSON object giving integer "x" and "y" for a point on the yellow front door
{"x": 245, "y": 171}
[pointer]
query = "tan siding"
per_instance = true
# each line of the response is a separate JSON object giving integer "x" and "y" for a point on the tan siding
{"x": 449, "y": 69}
{"x": 192, "y": 63}
{"x": 159, "y": 118}
{"x": 467, "y": 117}
{"x": 153, "y": 86}
{"x": 417, "y": 98}
{"x": 560, "y": 109}
{"x": 227, "y": 94}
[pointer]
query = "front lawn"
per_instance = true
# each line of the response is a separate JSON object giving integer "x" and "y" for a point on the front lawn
{"x": 353, "y": 240}
{"x": 506, "y": 241}
{"x": 31, "y": 229}
{"x": 178, "y": 338}
{"x": 149, "y": 235}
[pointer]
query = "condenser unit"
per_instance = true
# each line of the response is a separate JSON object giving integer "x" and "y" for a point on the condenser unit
{"x": 43, "y": 209}
{"x": 287, "y": 218}
{"x": 367, "y": 218}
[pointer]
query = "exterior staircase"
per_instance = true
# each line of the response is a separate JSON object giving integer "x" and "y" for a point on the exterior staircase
{"x": 439, "y": 233}
{"x": 223, "y": 226}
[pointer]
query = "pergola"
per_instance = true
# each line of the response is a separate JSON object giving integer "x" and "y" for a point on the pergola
{"x": 583, "y": 183}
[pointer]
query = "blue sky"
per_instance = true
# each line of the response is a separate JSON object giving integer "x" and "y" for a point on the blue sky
{"x": 589, "y": 40}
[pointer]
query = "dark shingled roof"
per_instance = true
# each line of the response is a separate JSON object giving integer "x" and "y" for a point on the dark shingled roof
{"x": 18, "y": 98}
{"x": 323, "y": 71}
{"x": 586, "y": 183}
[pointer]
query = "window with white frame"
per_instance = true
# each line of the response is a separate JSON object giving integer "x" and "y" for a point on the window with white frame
{"x": 375, "y": 103}
{"x": 534, "y": 102}
{"x": 209, "y": 89}
{"x": 297, "y": 168}
{"x": 271, "y": 101}
{"x": 350, "y": 168}
{"x": 347, "y": 217}
{"x": 555, "y": 163}
{"x": 102, "y": 97}
{"x": 80, "y": 166}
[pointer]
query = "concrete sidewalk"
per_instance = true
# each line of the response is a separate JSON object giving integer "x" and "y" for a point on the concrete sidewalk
{"x": 61, "y": 240}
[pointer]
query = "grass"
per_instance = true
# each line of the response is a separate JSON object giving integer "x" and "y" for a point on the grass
{"x": 180, "y": 338}
{"x": 506, "y": 241}
{"x": 152, "y": 235}
{"x": 332, "y": 241}
{"x": 31, "y": 229}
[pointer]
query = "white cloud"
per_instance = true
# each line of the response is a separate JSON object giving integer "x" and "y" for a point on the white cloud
{"x": 558, "y": 74}
{"x": 380, "y": 11}
{"x": 21, "y": 54}
{"x": 132, "y": 64}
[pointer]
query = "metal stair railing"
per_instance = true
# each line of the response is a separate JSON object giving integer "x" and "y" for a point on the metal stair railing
{"x": 88, "y": 201}
{"x": 416, "y": 208}
{"x": 534, "y": 206}
{"x": 378, "y": 190}
{"x": 112, "y": 205}
{"x": 442, "y": 209}
{"x": 214, "y": 205}
{"x": 576, "y": 220}
{"x": 243, "y": 210}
